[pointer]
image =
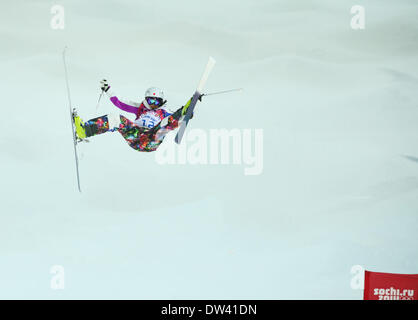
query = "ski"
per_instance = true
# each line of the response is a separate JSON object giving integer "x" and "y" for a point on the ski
{"x": 195, "y": 98}
{"x": 72, "y": 114}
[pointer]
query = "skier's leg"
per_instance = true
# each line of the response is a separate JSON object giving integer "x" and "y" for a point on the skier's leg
{"x": 150, "y": 140}
{"x": 169, "y": 123}
{"x": 165, "y": 126}
{"x": 133, "y": 134}
{"x": 138, "y": 138}
{"x": 128, "y": 129}
{"x": 95, "y": 126}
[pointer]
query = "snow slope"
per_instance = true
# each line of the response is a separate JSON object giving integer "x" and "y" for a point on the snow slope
{"x": 340, "y": 181}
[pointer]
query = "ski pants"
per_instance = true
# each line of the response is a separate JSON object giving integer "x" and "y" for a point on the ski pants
{"x": 139, "y": 138}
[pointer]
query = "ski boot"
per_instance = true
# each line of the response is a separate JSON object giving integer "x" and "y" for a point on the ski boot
{"x": 186, "y": 106}
{"x": 80, "y": 131}
{"x": 78, "y": 124}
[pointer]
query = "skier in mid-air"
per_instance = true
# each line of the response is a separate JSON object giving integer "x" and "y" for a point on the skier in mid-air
{"x": 152, "y": 120}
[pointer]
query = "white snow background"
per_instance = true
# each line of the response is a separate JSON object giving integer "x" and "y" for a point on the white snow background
{"x": 340, "y": 181}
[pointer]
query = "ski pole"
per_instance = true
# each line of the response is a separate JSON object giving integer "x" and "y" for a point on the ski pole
{"x": 98, "y": 102}
{"x": 220, "y": 92}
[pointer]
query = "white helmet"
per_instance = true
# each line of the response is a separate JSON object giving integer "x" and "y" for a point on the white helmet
{"x": 155, "y": 97}
{"x": 155, "y": 93}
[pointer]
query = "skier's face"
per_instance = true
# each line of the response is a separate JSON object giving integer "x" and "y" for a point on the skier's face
{"x": 154, "y": 103}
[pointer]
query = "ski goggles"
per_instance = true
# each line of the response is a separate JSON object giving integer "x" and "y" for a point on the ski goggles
{"x": 154, "y": 101}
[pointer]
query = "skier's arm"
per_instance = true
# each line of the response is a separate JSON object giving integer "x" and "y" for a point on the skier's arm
{"x": 122, "y": 105}
{"x": 115, "y": 100}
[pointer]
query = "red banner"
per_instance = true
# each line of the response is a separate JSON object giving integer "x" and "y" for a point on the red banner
{"x": 390, "y": 286}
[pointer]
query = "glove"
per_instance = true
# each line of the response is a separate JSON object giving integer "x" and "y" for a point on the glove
{"x": 200, "y": 97}
{"x": 104, "y": 85}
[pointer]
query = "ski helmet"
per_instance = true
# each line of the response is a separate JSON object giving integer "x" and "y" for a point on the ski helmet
{"x": 154, "y": 96}
{"x": 154, "y": 93}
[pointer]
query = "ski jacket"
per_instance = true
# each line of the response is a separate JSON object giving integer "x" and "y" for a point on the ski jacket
{"x": 145, "y": 117}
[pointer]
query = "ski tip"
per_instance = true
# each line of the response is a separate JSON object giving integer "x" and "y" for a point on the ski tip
{"x": 212, "y": 60}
